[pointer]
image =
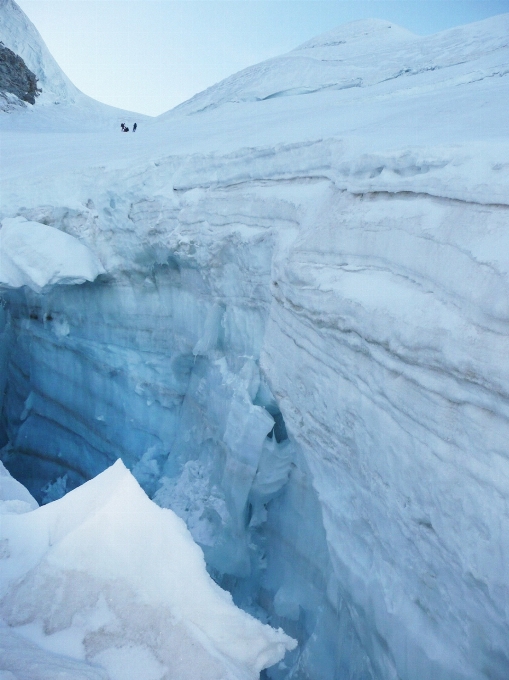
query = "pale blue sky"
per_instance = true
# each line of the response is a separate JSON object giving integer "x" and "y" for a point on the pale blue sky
{"x": 150, "y": 55}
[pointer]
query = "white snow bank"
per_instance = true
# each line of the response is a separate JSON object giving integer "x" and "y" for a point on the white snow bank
{"x": 106, "y": 576}
{"x": 36, "y": 255}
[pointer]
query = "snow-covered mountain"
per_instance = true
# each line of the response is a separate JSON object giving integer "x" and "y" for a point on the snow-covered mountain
{"x": 75, "y": 109}
{"x": 363, "y": 54}
{"x": 19, "y": 34}
{"x": 293, "y": 331}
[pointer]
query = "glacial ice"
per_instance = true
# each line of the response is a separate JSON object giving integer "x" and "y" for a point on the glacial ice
{"x": 299, "y": 345}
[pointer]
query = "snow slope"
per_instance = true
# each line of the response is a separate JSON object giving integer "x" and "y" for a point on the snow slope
{"x": 363, "y": 54}
{"x": 299, "y": 344}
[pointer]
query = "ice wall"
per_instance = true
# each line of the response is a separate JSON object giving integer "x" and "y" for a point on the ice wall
{"x": 403, "y": 402}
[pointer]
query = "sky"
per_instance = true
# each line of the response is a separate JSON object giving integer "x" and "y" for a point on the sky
{"x": 150, "y": 55}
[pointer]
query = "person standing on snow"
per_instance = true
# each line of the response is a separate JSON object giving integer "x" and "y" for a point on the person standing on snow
{"x": 134, "y": 127}
{"x": 122, "y": 125}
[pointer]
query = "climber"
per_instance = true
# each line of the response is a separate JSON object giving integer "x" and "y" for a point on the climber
{"x": 126, "y": 129}
{"x": 134, "y": 127}
{"x": 122, "y": 125}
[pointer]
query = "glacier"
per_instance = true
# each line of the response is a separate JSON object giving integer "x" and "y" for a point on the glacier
{"x": 293, "y": 333}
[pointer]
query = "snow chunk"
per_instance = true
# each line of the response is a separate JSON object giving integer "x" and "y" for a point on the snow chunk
{"x": 105, "y": 575}
{"x": 36, "y": 255}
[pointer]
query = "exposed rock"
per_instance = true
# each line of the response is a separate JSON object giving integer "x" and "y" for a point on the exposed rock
{"x": 15, "y": 77}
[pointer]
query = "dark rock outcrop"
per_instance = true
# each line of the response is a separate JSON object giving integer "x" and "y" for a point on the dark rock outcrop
{"x": 15, "y": 77}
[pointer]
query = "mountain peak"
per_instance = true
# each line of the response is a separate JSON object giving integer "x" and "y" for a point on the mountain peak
{"x": 362, "y": 30}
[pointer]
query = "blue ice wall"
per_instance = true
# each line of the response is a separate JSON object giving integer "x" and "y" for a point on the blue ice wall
{"x": 167, "y": 378}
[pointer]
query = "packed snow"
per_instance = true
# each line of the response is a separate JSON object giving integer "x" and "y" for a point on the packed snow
{"x": 107, "y": 577}
{"x": 36, "y": 255}
{"x": 299, "y": 345}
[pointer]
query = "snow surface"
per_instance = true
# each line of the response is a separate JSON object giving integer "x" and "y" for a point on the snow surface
{"x": 301, "y": 342}
{"x": 36, "y": 255}
{"x": 106, "y": 576}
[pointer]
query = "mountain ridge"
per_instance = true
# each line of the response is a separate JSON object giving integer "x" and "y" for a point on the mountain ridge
{"x": 358, "y": 54}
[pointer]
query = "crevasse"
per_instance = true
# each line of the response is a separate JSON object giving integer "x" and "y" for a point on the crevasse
{"x": 162, "y": 370}
{"x": 296, "y": 336}
{"x": 251, "y": 369}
